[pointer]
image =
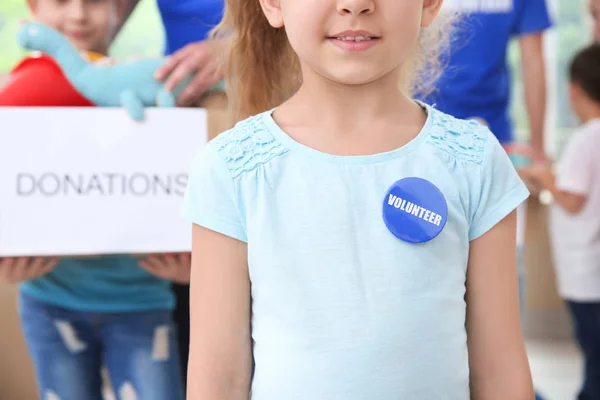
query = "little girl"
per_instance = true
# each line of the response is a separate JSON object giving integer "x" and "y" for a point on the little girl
{"x": 350, "y": 243}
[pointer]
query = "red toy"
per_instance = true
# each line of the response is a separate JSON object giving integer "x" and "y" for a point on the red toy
{"x": 38, "y": 81}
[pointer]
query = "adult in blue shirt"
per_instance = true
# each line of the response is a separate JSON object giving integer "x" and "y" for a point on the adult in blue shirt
{"x": 476, "y": 83}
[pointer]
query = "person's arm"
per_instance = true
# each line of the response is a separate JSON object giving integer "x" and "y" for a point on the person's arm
{"x": 570, "y": 200}
{"x": 498, "y": 363}
{"x": 533, "y": 20}
{"x": 534, "y": 81}
{"x": 204, "y": 60}
{"x": 573, "y": 177}
{"x": 497, "y": 357}
{"x": 220, "y": 359}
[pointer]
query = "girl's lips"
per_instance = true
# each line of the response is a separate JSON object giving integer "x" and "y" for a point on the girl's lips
{"x": 362, "y": 43}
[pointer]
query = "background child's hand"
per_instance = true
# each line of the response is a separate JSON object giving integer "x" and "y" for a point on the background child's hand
{"x": 539, "y": 156}
{"x": 173, "y": 267}
{"x": 541, "y": 173}
{"x": 19, "y": 269}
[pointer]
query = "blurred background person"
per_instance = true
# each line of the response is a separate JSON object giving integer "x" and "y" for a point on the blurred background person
{"x": 575, "y": 215}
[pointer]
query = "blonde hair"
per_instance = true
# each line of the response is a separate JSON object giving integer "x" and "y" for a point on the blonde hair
{"x": 427, "y": 64}
{"x": 263, "y": 70}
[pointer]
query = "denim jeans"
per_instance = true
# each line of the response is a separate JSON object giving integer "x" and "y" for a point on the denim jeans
{"x": 69, "y": 349}
{"x": 586, "y": 324}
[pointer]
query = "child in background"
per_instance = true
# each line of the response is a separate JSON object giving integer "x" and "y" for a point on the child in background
{"x": 38, "y": 80}
{"x": 79, "y": 315}
{"x": 575, "y": 214}
{"x": 353, "y": 243}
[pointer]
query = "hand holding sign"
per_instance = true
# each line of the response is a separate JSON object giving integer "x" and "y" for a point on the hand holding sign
{"x": 172, "y": 267}
{"x": 19, "y": 269}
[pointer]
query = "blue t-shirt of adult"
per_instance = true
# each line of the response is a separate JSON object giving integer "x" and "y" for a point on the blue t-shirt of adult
{"x": 476, "y": 82}
{"x": 188, "y": 21}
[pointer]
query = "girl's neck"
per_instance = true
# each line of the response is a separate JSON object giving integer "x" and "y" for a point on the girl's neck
{"x": 349, "y": 107}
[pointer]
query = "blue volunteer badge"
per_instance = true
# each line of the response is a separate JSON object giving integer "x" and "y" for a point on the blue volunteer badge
{"x": 415, "y": 210}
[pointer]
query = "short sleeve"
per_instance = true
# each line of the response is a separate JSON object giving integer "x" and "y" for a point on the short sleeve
{"x": 574, "y": 170}
{"x": 497, "y": 192}
{"x": 210, "y": 196}
{"x": 533, "y": 17}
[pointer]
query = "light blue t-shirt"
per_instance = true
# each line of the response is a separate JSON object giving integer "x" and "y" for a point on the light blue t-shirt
{"x": 341, "y": 308}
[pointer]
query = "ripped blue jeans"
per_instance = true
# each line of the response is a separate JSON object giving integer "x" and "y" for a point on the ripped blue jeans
{"x": 70, "y": 348}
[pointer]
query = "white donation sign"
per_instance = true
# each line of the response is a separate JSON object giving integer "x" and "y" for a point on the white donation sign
{"x": 90, "y": 181}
